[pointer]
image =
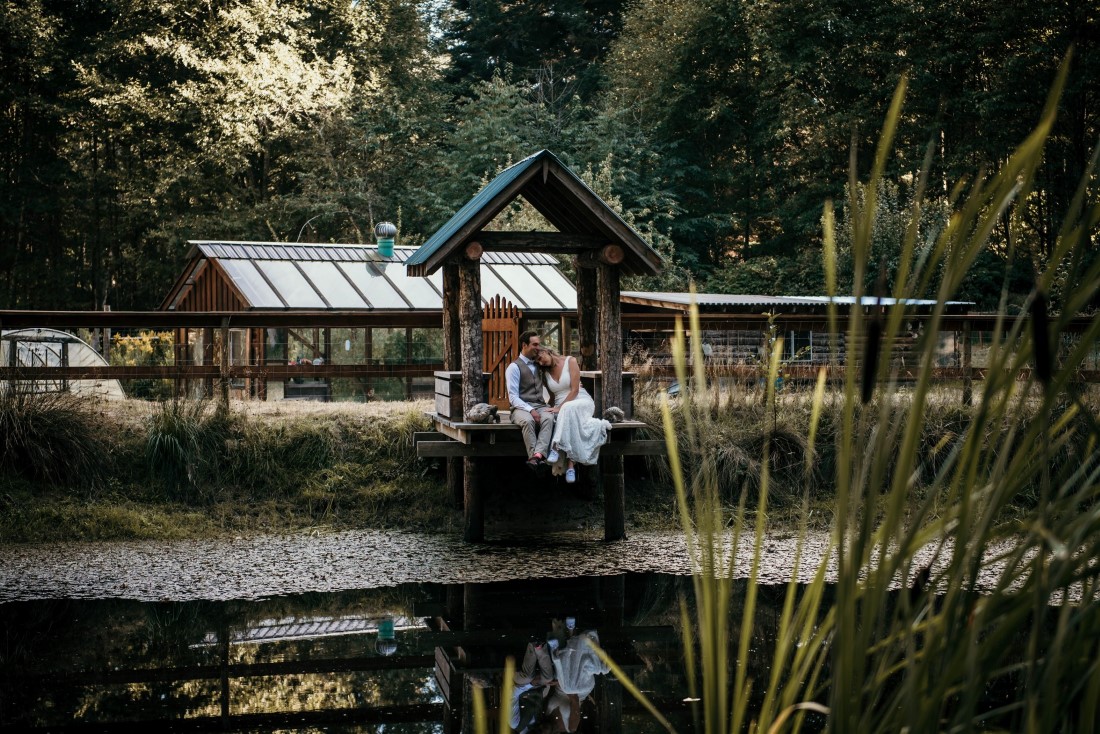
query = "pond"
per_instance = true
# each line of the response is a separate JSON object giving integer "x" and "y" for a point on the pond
{"x": 404, "y": 656}
{"x": 354, "y": 632}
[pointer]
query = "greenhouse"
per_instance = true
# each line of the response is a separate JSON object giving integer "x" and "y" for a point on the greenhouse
{"x": 24, "y": 348}
{"x": 359, "y": 308}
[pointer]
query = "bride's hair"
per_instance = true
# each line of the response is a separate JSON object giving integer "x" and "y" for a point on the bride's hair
{"x": 552, "y": 352}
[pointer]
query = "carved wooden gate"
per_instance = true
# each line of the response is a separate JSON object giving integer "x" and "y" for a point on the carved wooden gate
{"x": 500, "y": 337}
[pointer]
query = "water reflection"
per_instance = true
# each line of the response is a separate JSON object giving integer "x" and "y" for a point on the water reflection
{"x": 404, "y": 657}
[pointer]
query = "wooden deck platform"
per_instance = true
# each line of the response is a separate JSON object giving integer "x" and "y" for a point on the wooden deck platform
{"x": 455, "y": 440}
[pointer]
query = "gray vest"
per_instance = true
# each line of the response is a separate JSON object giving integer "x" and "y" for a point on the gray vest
{"x": 530, "y": 386}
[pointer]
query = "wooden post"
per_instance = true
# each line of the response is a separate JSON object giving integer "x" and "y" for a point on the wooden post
{"x": 587, "y": 314}
{"x": 469, "y": 315}
{"x": 611, "y": 366}
{"x": 968, "y": 372}
{"x": 65, "y": 363}
{"x": 207, "y": 359}
{"x": 368, "y": 355}
{"x": 223, "y": 368}
{"x": 408, "y": 361}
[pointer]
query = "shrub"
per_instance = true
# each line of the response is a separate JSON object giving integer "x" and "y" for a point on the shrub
{"x": 52, "y": 437}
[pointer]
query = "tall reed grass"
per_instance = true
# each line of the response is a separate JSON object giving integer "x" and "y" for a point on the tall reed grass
{"x": 1001, "y": 630}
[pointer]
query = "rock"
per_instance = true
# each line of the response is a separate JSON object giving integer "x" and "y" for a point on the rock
{"x": 483, "y": 413}
{"x": 614, "y": 415}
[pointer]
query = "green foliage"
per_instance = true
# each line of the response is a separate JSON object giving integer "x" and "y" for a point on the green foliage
{"x": 986, "y": 518}
{"x": 182, "y": 442}
{"x": 147, "y": 348}
{"x": 51, "y": 437}
{"x": 129, "y": 127}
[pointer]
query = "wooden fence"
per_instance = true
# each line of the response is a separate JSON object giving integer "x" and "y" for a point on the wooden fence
{"x": 735, "y": 347}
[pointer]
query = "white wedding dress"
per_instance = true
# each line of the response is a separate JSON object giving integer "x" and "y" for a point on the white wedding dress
{"x": 577, "y": 434}
{"x": 576, "y": 665}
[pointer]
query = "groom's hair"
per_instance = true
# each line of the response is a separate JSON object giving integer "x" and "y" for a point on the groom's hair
{"x": 525, "y": 337}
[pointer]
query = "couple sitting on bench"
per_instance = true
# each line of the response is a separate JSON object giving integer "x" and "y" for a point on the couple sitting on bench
{"x": 554, "y": 412}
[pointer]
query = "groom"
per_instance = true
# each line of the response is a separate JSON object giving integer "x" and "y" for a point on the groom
{"x": 525, "y": 394}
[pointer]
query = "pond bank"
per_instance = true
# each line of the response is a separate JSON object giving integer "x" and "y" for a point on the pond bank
{"x": 276, "y": 565}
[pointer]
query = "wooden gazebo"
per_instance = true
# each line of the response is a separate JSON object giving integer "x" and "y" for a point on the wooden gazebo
{"x": 605, "y": 248}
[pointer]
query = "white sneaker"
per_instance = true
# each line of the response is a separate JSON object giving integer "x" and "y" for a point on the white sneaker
{"x": 553, "y": 456}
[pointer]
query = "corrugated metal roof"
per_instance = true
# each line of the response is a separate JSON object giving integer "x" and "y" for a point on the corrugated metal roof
{"x": 341, "y": 253}
{"x": 734, "y": 301}
{"x": 561, "y": 196}
{"x": 347, "y": 277}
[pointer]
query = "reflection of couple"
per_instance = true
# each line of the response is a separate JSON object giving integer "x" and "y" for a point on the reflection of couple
{"x": 555, "y": 678}
{"x": 562, "y": 432}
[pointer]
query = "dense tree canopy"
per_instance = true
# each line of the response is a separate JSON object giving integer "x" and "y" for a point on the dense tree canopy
{"x": 718, "y": 128}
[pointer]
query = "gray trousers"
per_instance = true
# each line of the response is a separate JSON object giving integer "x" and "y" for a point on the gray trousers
{"x": 536, "y": 661}
{"x": 536, "y": 436}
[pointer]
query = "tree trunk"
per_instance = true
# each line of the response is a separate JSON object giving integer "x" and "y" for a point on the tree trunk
{"x": 469, "y": 314}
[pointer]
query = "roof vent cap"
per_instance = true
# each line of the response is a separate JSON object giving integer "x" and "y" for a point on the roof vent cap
{"x": 384, "y": 232}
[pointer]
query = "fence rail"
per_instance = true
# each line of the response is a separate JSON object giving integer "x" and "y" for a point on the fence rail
{"x": 738, "y": 351}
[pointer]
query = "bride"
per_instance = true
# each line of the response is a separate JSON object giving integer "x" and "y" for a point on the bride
{"x": 577, "y": 434}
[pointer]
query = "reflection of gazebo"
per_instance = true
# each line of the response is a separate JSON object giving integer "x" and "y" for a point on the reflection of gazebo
{"x": 605, "y": 248}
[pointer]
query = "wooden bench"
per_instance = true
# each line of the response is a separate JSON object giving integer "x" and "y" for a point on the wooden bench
{"x": 455, "y": 438}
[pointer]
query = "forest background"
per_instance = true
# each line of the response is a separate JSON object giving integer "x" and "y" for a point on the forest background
{"x": 718, "y": 129}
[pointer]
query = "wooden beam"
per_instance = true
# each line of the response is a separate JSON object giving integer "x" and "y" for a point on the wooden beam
{"x": 474, "y": 251}
{"x": 213, "y": 319}
{"x": 447, "y": 447}
{"x": 555, "y": 243}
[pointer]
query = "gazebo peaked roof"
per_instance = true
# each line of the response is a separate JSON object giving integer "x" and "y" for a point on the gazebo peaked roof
{"x": 584, "y": 221}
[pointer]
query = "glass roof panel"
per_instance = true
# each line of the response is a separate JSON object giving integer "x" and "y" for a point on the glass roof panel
{"x": 332, "y": 283}
{"x": 251, "y": 283}
{"x": 520, "y": 280}
{"x": 379, "y": 292}
{"x": 417, "y": 290}
{"x": 558, "y": 284}
{"x": 491, "y": 286}
{"x": 295, "y": 290}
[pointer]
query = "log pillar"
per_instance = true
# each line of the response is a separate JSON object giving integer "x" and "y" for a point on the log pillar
{"x": 611, "y": 337}
{"x": 452, "y": 358}
{"x": 469, "y": 315}
{"x": 611, "y": 365}
{"x": 587, "y": 314}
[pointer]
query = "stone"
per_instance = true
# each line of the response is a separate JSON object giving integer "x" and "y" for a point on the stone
{"x": 483, "y": 413}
